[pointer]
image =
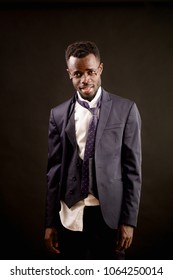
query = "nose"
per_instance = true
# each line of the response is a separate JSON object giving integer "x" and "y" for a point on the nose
{"x": 85, "y": 78}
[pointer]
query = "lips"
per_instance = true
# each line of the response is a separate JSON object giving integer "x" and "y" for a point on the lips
{"x": 87, "y": 89}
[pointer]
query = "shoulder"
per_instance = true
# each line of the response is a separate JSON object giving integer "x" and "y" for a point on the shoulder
{"x": 120, "y": 105}
{"x": 118, "y": 102}
{"x": 116, "y": 98}
{"x": 63, "y": 108}
{"x": 60, "y": 113}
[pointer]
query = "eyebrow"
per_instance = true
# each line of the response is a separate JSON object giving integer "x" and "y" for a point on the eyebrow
{"x": 85, "y": 70}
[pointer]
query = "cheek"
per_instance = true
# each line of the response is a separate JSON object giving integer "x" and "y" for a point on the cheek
{"x": 75, "y": 84}
{"x": 99, "y": 81}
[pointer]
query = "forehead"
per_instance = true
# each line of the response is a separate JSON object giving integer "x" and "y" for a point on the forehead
{"x": 82, "y": 64}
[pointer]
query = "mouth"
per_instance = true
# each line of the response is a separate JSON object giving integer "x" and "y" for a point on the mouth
{"x": 87, "y": 89}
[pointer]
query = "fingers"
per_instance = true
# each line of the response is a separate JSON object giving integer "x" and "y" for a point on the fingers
{"x": 51, "y": 241}
{"x": 52, "y": 248}
{"x": 123, "y": 244}
{"x": 125, "y": 236}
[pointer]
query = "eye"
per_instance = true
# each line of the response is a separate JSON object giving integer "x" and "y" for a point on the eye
{"x": 91, "y": 72}
{"x": 77, "y": 74}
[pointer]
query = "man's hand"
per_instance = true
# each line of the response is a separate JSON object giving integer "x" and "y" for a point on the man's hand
{"x": 50, "y": 239}
{"x": 125, "y": 236}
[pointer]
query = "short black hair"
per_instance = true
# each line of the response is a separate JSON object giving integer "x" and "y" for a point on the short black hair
{"x": 81, "y": 49}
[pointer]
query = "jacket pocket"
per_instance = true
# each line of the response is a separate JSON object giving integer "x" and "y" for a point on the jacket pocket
{"x": 114, "y": 126}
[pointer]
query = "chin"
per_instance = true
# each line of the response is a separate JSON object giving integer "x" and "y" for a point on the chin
{"x": 88, "y": 97}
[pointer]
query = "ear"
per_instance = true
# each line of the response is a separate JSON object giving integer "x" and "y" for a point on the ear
{"x": 101, "y": 68}
{"x": 69, "y": 74}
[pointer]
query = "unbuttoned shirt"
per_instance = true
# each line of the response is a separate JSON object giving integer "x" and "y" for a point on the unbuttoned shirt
{"x": 72, "y": 218}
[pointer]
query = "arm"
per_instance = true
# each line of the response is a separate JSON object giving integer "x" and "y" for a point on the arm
{"x": 131, "y": 166}
{"x": 53, "y": 177}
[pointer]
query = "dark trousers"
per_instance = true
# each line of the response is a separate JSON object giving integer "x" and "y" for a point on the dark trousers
{"x": 97, "y": 241}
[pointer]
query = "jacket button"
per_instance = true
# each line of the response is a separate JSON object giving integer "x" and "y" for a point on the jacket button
{"x": 74, "y": 179}
{"x": 71, "y": 191}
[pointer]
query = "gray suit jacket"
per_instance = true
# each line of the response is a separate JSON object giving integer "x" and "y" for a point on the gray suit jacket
{"x": 117, "y": 159}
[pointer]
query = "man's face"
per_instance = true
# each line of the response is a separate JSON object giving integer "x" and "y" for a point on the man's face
{"x": 85, "y": 74}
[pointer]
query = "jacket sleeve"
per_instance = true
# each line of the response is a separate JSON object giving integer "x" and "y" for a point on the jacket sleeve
{"x": 131, "y": 167}
{"x": 53, "y": 174}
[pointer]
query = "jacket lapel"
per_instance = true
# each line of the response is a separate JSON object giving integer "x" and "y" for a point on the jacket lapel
{"x": 70, "y": 129}
{"x": 105, "y": 109}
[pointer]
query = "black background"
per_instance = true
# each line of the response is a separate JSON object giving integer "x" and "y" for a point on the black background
{"x": 136, "y": 44}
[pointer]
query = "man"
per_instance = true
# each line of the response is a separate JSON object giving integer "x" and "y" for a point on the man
{"x": 93, "y": 189}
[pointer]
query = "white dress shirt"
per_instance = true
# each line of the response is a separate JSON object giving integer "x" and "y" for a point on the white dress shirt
{"x": 72, "y": 218}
